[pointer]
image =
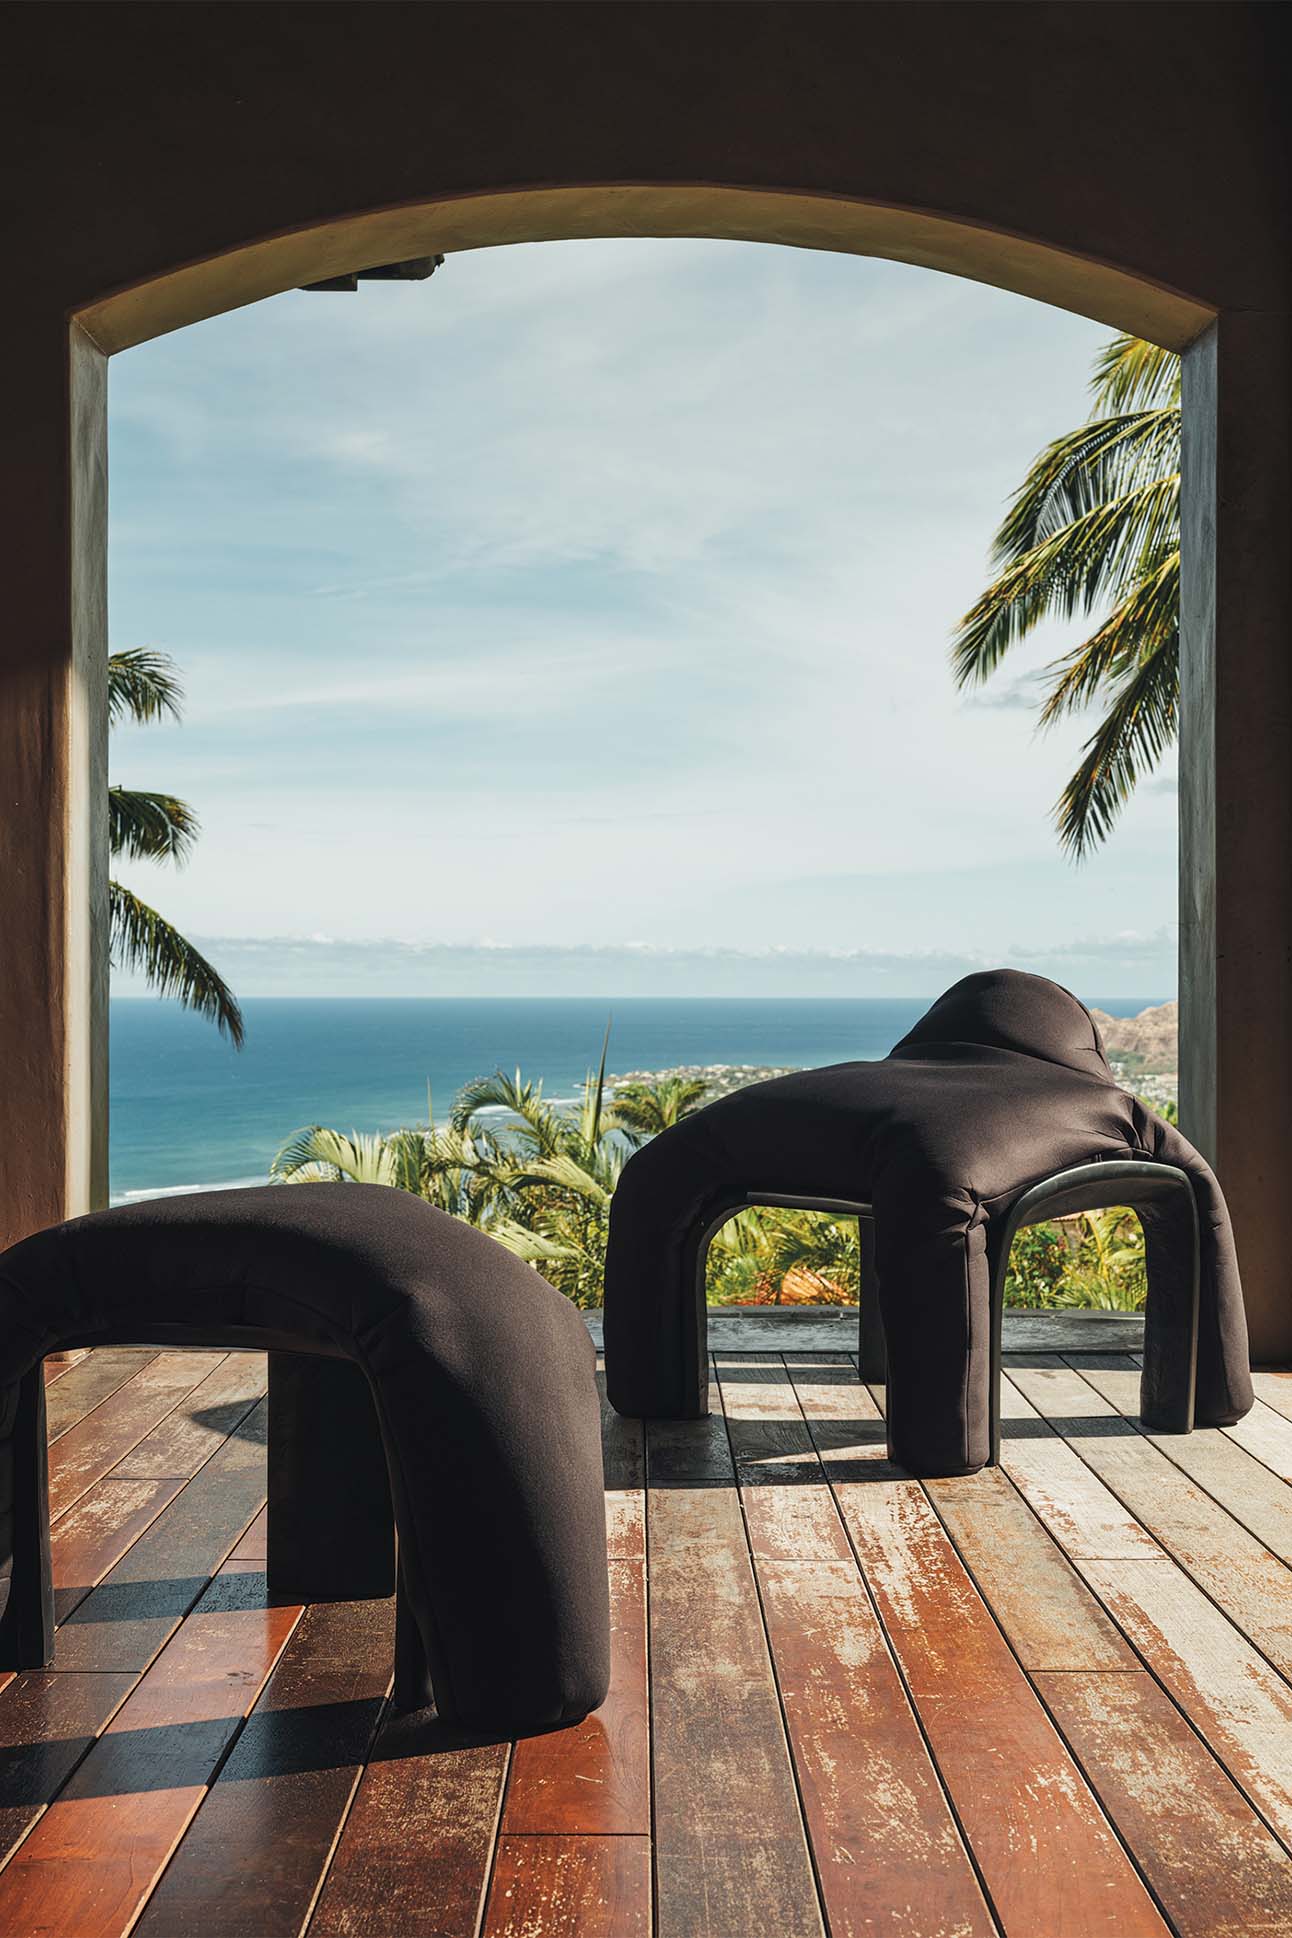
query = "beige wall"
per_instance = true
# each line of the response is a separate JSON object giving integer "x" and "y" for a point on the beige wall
{"x": 167, "y": 162}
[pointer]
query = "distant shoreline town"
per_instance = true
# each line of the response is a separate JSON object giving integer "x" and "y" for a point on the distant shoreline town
{"x": 1142, "y": 1053}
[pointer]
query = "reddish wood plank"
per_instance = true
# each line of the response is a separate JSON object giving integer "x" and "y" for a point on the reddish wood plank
{"x": 595, "y": 1777}
{"x": 887, "y": 1850}
{"x": 626, "y": 1525}
{"x": 47, "y": 1724}
{"x": 1214, "y": 1866}
{"x": 795, "y": 1524}
{"x": 731, "y": 1856}
{"x": 138, "y": 1605}
{"x": 92, "y": 1536}
{"x": 90, "y": 1449}
{"x": 56, "y": 1364}
{"x": 570, "y": 1887}
{"x": 90, "y": 1861}
{"x": 1044, "y": 1847}
{"x": 189, "y": 1435}
{"x": 1050, "y": 1616}
{"x": 413, "y": 1858}
{"x": 91, "y": 1379}
{"x": 253, "y": 1857}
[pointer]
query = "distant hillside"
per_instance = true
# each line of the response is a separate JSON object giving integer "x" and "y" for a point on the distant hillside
{"x": 1149, "y": 1038}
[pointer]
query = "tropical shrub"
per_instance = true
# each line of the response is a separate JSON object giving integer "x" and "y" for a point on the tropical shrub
{"x": 540, "y": 1180}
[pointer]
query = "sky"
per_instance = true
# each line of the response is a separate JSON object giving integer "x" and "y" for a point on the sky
{"x": 577, "y": 622}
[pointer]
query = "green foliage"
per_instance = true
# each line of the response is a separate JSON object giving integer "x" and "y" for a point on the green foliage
{"x": 144, "y": 941}
{"x": 1096, "y": 522}
{"x": 1038, "y": 1264}
{"x": 540, "y": 1180}
{"x": 145, "y": 826}
{"x": 1095, "y": 1259}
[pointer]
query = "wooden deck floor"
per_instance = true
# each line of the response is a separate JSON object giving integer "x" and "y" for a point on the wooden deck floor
{"x": 1049, "y": 1701}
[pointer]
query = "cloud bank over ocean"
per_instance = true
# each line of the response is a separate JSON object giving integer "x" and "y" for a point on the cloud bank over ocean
{"x": 1128, "y": 964}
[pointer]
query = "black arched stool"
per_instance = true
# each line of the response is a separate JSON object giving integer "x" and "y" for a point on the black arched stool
{"x": 997, "y": 1110}
{"x": 413, "y": 1362}
{"x": 1161, "y": 1196}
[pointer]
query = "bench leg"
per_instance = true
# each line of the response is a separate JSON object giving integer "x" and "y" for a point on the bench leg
{"x": 331, "y": 1527}
{"x": 1171, "y": 1253}
{"x": 872, "y": 1353}
{"x": 26, "y": 1583}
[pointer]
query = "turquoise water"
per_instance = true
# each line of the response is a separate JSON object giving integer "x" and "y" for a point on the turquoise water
{"x": 187, "y": 1110}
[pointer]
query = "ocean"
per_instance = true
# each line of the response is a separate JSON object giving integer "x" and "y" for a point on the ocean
{"x": 190, "y": 1112}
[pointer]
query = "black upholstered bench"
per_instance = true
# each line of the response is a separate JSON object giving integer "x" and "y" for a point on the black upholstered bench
{"x": 996, "y": 1111}
{"x": 424, "y": 1383}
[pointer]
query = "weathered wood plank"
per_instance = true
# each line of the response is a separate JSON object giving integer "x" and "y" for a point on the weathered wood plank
{"x": 92, "y": 1536}
{"x": 87, "y": 1381}
{"x": 731, "y": 1856}
{"x": 1275, "y": 1389}
{"x": 1252, "y": 1586}
{"x": 887, "y": 1850}
{"x": 90, "y": 1861}
{"x": 685, "y": 1451}
{"x": 1213, "y": 1864}
{"x": 414, "y": 1855}
{"x": 570, "y": 1887}
{"x": 138, "y": 1605}
{"x": 1050, "y": 1616}
{"x": 595, "y": 1777}
{"x": 1236, "y": 1701}
{"x": 623, "y": 1443}
{"x": 1245, "y": 1487}
{"x": 1267, "y": 1436}
{"x": 846, "y": 1424}
{"x": 1082, "y": 1514}
{"x": 90, "y": 1449}
{"x": 189, "y": 1435}
{"x": 56, "y": 1364}
{"x": 768, "y": 1434}
{"x": 47, "y": 1724}
{"x": 254, "y": 1855}
{"x": 1240, "y": 1706}
{"x": 1046, "y": 1852}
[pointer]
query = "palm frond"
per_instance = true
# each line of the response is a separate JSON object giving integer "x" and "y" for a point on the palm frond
{"x": 319, "y": 1154}
{"x": 144, "y": 941}
{"x": 143, "y": 686}
{"x": 644, "y": 1109}
{"x": 150, "y": 827}
{"x": 1147, "y": 618}
{"x": 1084, "y": 469}
{"x": 1131, "y": 374}
{"x": 536, "y": 1121}
{"x": 1129, "y": 742}
{"x": 1093, "y": 558}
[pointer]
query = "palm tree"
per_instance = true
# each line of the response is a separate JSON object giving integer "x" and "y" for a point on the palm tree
{"x": 557, "y": 1175}
{"x": 457, "y": 1173}
{"x": 1097, "y": 519}
{"x": 144, "y": 826}
{"x": 642, "y": 1110}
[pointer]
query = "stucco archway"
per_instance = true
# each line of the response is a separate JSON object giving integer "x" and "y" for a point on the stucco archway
{"x": 58, "y": 1075}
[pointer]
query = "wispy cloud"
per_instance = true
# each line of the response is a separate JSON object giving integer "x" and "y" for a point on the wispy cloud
{"x": 604, "y": 591}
